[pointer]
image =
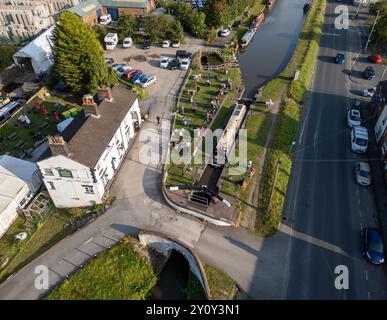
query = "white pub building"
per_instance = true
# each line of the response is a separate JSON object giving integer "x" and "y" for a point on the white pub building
{"x": 84, "y": 163}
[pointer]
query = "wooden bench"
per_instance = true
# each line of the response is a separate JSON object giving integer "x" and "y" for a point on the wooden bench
{"x": 12, "y": 136}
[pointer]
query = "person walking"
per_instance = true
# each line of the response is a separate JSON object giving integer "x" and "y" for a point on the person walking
{"x": 158, "y": 120}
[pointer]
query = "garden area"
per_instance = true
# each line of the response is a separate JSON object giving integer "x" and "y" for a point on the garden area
{"x": 20, "y": 138}
{"x": 206, "y": 100}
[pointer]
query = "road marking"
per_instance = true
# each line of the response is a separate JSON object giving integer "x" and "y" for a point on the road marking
{"x": 88, "y": 241}
{"x": 366, "y": 275}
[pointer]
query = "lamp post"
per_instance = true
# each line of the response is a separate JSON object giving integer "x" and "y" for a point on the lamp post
{"x": 372, "y": 30}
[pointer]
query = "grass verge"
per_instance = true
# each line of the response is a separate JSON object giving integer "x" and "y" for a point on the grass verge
{"x": 116, "y": 274}
{"x": 221, "y": 285}
{"x": 288, "y": 124}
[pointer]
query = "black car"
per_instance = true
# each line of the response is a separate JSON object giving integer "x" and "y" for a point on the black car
{"x": 146, "y": 44}
{"x": 173, "y": 64}
{"x": 369, "y": 73}
{"x": 183, "y": 54}
{"x": 237, "y": 24}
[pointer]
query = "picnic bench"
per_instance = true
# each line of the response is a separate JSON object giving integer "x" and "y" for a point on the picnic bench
{"x": 19, "y": 144}
{"x": 12, "y": 136}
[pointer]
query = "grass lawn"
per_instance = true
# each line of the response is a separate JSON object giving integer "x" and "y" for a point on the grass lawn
{"x": 26, "y": 135}
{"x": 194, "y": 290}
{"x": 221, "y": 285}
{"x": 116, "y": 274}
{"x": 49, "y": 232}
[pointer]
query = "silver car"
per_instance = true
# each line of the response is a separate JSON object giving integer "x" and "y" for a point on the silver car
{"x": 363, "y": 173}
{"x": 353, "y": 118}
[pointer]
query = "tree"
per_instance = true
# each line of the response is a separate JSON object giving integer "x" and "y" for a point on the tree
{"x": 217, "y": 13}
{"x": 197, "y": 23}
{"x": 159, "y": 27}
{"x": 6, "y": 55}
{"x": 183, "y": 12}
{"x": 177, "y": 31}
{"x": 126, "y": 26}
{"x": 79, "y": 60}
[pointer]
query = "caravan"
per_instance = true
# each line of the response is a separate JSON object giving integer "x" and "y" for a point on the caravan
{"x": 111, "y": 41}
{"x": 9, "y": 109}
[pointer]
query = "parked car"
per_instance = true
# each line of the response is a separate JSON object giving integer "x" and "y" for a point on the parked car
{"x": 173, "y": 64}
{"x": 164, "y": 62}
{"x": 375, "y": 58}
{"x": 166, "y": 44}
{"x": 175, "y": 43}
{"x": 122, "y": 70}
{"x": 353, "y": 118}
{"x": 146, "y": 81}
{"x": 225, "y": 32}
{"x": 127, "y": 42}
{"x": 183, "y": 54}
{"x": 109, "y": 60}
{"x": 359, "y": 139}
{"x": 363, "y": 173}
{"x": 369, "y": 73}
{"x": 237, "y": 24}
{"x": 137, "y": 76}
{"x": 147, "y": 44}
{"x": 368, "y": 92}
{"x": 340, "y": 58}
{"x": 373, "y": 245}
{"x": 105, "y": 19}
{"x": 116, "y": 66}
{"x": 184, "y": 64}
{"x": 131, "y": 73}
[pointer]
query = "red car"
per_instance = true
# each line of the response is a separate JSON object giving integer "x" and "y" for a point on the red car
{"x": 375, "y": 58}
{"x": 131, "y": 73}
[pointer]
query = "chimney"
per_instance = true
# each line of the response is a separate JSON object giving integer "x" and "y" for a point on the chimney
{"x": 104, "y": 93}
{"x": 89, "y": 106}
{"x": 58, "y": 146}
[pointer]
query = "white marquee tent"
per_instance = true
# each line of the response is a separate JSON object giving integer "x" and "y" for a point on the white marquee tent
{"x": 38, "y": 52}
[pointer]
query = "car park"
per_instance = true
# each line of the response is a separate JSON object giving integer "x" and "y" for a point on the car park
{"x": 359, "y": 139}
{"x": 363, "y": 173}
{"x": 225, "y": 32}
{"x": 122, "y": 70}
{"x": 353, "y": 118}
{"x": 173, "y": 64}
{"x": 373, "y": 245}
{"x": 375, "y": 58}
{"x": 175, "y": 43}
{"x": 127, "y": 42}
{"x": 184, "y": 64}
{"x": 368, "y": 92}
{"x": 369, "y": 73}
{"x": 164, "y": 62}
{"x": 340, "y": 58}
{"x": 166, "y": 44}
{"x": 146, "y": 44}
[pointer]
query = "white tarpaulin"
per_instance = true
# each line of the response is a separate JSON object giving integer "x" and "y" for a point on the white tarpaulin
{"x": 39, "y": 51}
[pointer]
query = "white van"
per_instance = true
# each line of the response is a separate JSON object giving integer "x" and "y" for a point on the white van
{"x": 111, "y": 40}
{"x": 105, "y": 19}
{"x": 359, "y": 139}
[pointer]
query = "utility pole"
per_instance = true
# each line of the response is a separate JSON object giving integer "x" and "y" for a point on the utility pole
{"x": 274, "y": 183}
{"x": 372, "y": 30}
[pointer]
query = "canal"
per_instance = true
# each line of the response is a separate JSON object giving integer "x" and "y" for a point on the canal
{"x": 272, "y": 46}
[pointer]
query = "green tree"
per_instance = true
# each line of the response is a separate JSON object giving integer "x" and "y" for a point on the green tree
{"x": 177, "y": 31}
{"x": 126, "y": 26}
{"x": 6, "y": 55}
{"x": 217, "y": 13}
{"x": 79, "y": 59}
{"x": 197, "y": 23}
{"x": 159, "y": 27}
{"x": 183, "y": 12}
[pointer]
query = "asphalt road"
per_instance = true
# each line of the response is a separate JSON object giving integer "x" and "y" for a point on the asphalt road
{"x": 325, "y": 208}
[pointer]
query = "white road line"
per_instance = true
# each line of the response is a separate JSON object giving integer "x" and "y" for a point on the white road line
{"x": 88, "y": 241}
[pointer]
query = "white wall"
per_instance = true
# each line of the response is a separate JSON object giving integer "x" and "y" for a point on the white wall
{"x": 381, "y": 124}
{"x": 69, "y": 192}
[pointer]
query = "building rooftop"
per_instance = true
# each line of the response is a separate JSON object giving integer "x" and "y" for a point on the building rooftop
{"x": 85, "y": 8}
{"x": 90, "y": 141}
{"x": 124, "y": 3}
